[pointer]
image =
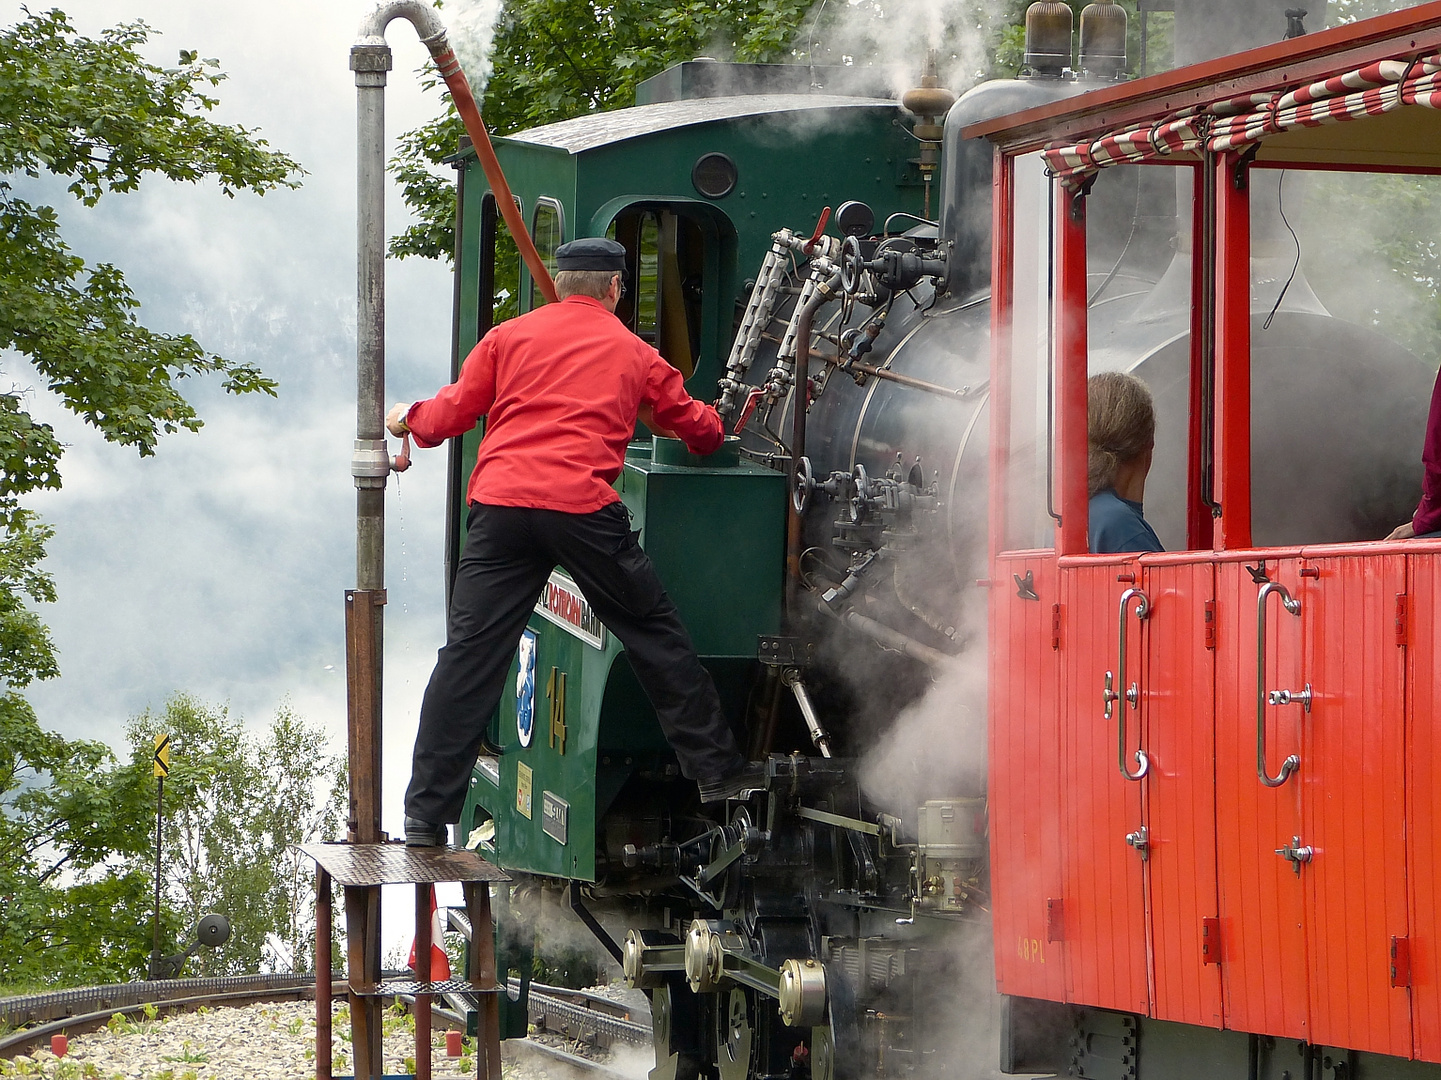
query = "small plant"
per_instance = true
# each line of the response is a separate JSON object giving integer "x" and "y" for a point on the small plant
{"x": 90, "y": 1071}
{"x": 190, "y": 1074}
{"x": 410, "y": 1065}
{"x": 189, "y": 1056}
{"x": 296, "y": 1026}
{"x": 467, "y": 1065}
{"x": 339, "y": 1062}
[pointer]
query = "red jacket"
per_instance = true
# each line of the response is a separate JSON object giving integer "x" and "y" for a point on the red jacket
{"x": 560, "y": 388}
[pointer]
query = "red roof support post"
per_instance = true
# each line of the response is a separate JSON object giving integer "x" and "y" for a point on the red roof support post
{"x": 1071, "y": 373}
{"x": 1003, "y": 292}
{"x": 1199, "y": 523}
{"x": 1233, "y": 351}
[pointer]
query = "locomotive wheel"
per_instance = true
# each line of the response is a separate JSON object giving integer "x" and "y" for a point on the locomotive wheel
{"x": 675, "y": 1021}
{"x": 735, "y": 1035}
{"x": 823, "y": 1054}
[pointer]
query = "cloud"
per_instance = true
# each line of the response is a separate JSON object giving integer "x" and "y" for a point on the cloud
{"x": 219, "y": 566}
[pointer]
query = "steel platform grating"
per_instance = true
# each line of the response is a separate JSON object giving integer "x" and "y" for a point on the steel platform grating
{"x": 396, "y": 864}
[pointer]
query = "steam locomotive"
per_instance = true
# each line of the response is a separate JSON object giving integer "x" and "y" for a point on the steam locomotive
{"x": 995, "y": 760}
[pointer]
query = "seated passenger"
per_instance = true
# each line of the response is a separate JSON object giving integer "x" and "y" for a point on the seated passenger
{"x": 1426, "y": 522}
{"x": 1121, "y": 435}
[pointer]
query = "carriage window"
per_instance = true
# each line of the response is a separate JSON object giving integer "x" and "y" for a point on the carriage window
{"x": 1349, "y": 265}
{"x": 547, "y": 228}
{"x": 1029, "y": 476}
{"x": 499, "y": 283}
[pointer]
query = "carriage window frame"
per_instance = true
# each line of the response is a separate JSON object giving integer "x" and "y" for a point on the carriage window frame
{"x": 490, "y": 226}
{"x": 545, "y": 204}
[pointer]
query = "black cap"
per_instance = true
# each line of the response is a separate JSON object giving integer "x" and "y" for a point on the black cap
{"x": 590, "y": 253}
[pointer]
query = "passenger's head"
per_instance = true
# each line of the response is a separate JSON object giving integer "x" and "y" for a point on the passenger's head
{"x": 1120, "y": 427}
{"x": 590, "y": 266}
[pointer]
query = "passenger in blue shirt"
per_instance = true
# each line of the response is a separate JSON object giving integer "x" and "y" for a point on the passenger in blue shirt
{"x": 1121, "y": 435}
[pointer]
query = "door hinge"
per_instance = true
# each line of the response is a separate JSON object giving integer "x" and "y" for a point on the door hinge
{"x": 1210, "y": 624}
{"x": 1400, "y": 961}
{"x": 1055, "y": 921}
{"x": 1403, "y": 619}
{"x": 1055, "y": 626}
{"x": 1210, "y": 941}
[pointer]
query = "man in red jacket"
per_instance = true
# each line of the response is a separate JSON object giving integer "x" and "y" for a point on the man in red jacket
{"x": 561, "y": 388}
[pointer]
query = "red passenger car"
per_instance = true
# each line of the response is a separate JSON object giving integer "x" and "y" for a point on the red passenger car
{"x": 1213, "y": 773}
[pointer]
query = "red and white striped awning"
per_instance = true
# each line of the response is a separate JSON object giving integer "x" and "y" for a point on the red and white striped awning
{"x": 1239, "y": 122}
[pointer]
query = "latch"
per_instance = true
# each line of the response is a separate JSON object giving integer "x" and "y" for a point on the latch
{"x": 1291, "y": 697}
{"x": 1141, "y": 841}
{"x": 1296, "y": 854}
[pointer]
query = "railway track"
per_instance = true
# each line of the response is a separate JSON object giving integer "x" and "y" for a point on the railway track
{"x": 586, "y": 1017}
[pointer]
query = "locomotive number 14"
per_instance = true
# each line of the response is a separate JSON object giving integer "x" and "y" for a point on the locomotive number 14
{"x": 1031, "y": 949}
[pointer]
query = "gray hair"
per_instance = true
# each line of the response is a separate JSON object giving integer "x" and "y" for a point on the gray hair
{"x": 592, "y": 283}
{"x": 1120, "y": 426}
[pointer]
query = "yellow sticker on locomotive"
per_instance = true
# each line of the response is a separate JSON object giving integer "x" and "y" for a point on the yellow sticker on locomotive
{"x": 523, "y": 787}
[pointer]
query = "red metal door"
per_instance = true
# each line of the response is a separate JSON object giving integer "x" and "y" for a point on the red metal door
{"x": 1104, "y": 906}
{"x": 1024, "y": 793}
{"x": 1423, "y": 790}
{"x": 1353, "y": 783}
{"x": 1177, "y": 701}
{"x": 1263, "y": 947}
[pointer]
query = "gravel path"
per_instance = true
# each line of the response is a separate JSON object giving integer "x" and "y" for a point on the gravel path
{"x": 265, "y": 1042}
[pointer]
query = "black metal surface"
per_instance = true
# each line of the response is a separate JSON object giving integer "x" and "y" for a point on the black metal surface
{"x": 37, "y": 1008}
{"x": 395, "y": 864}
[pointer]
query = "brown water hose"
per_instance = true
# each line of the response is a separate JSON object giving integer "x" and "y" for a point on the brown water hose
{"x": 459, "y": 86}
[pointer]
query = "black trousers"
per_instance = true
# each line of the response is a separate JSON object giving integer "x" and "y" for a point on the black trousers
{"x": 509, "y": 554}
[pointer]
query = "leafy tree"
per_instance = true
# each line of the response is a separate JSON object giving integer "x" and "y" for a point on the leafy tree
{"x": 236, "y": 806}
{"x": 93, "y": 112}
{"x": 554, "y": 59}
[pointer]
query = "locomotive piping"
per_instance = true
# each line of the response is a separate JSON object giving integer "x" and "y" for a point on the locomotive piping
{"x": 800, "y": 401}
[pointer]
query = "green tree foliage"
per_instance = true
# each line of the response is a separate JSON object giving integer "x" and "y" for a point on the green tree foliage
{"x": 94, "y": 113}
{"x": 554, "y": 59}
{"x": 236, "y": 806}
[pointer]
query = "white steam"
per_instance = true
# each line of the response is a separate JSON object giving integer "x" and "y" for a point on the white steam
{"x": 937, "y": 747}
{"x": 889, "y": 39}
{"x": 471, "y": 26}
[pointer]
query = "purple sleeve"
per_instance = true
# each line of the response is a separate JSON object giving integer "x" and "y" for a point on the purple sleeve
{"x": 1428, "y": 514}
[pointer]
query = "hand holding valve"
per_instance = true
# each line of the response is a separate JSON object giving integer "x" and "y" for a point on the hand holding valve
{"x": 396, "y": 425}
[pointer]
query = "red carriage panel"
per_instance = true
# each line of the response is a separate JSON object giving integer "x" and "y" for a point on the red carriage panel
{"x": 1423, "y": 784}
{"x": 1025, "y": 801}
{"x": 1352, "y": 779}
{"x": 1263, "y": 944}
{"x": 1177, "y": 691}
{"x": 1105, "y": 916}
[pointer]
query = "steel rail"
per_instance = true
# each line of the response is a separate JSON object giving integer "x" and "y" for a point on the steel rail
{"x": 19, "y": 1042}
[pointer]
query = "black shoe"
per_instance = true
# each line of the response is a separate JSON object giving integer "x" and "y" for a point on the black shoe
{"x": 423, "y": 834}
{"x": 749, "y": 777}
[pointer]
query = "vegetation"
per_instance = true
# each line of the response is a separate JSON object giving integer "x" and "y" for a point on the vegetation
{"x": 94, "y": 113}
{"x": 236, "y": 808}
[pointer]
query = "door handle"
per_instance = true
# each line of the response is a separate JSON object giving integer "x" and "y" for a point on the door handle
{"x": 1131, "y": 693}
{"x": 1296, "y": 854}
{"x": 1277, "y": 697}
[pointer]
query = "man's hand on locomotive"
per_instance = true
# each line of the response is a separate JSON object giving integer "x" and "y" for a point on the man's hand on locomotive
{"x": 395, "y": 419}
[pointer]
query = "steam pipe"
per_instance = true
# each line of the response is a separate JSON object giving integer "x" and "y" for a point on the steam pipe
{"x": 891, "y": 639}
{"x": 800, "y": 395}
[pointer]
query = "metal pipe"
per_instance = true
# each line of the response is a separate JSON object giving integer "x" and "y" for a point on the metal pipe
{"x": 890, "y": 639}
{"x": 960, "y": 393}
{"x": 800, "y": 395}
{"x": 819, "y": 736}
